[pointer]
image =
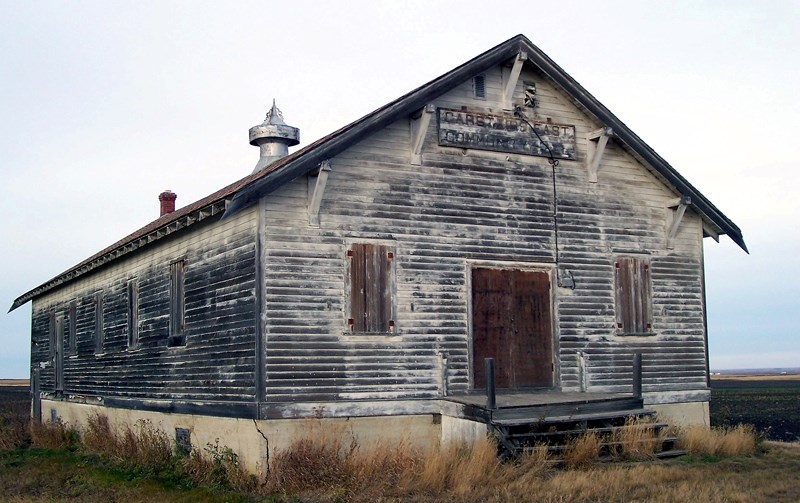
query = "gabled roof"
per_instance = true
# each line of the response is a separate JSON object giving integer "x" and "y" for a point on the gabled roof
{"x": 241, "y": 194}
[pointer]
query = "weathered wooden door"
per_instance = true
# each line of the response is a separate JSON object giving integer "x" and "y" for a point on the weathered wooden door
{"x": 511, "y": 322}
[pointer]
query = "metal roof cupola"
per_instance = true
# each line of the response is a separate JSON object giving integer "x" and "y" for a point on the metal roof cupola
{"x": 274, "y": 137}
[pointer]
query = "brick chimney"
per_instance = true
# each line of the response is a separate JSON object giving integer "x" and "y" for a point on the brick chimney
{"x": 167, "y": 199}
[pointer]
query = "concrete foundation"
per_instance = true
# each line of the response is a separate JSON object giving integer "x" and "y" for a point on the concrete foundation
{"x": 683, "y": 414}
{"x": 252, "y": 439}
{"x": 256, "y": 441}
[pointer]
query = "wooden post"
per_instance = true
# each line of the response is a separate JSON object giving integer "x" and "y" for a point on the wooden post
{"x": 582, "y": 371}
{"x": 491, "y": 396}
{"x": 637, "y": 374}
{"x": 37, "y": 400}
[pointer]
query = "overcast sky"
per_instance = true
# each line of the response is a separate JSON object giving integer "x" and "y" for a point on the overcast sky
{"x": 105, "y": 104}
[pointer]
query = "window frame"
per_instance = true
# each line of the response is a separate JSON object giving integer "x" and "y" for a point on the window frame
{"x": 99, "y": 327}
{"x": 357, "y": 288}
{"x": 133, "y": 313}
{"x": 633, "y": 298}
{"x": 58, "y": 378}
{"x": 177, "y": 303}
{"x": 51, "y": 334}
{"x": 72, "y": 328}
{"x": 479, "y": 87}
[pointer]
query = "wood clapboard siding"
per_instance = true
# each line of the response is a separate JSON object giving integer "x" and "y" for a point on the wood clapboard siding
{"x": 463, "y": 207}
{"x": 218, "y": 360}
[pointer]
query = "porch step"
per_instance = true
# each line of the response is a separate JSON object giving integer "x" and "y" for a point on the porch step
{"x": 555, "y": 432}
{"x": 576, "y": 418}
{"x": 579, "y": 431}
{"x": 672, "y": 453}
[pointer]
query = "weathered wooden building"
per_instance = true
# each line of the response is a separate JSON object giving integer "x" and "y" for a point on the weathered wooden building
{"x": 497, "y": 211}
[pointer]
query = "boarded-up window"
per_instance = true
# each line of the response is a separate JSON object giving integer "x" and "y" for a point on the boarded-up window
{"x": 479, "y": 87}
{"x": 177, "y": 308}
{"x": 371, "y": 288}
{"x": 72, "y": 327}
{"x": 99, "y": 334}
{"x": 51, "y": 334}
{"x": 59, "y": 354}
{"x": 133, "y": 314}
{"x": 633, "y": 304}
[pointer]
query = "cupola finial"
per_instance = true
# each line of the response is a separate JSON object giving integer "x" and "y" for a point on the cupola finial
{"x": 273, "y": 137}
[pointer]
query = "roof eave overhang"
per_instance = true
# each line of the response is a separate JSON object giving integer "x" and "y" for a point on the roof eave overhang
{"x": 215, "y": 208}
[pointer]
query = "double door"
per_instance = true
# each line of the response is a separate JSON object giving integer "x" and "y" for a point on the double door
{"x": 512, "y": 323}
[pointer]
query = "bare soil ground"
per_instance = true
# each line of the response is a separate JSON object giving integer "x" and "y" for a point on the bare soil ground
{"x": 770, "y": 404}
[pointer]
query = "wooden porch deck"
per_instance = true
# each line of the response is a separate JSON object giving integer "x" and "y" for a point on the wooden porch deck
{"x": 536, "y": 406}
{"x": 524, "y": 399}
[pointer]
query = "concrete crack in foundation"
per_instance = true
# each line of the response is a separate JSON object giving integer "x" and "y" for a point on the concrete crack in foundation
{"x": 255, "y": 423}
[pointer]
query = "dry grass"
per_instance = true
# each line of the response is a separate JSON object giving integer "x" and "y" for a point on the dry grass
{"x": 319, "y": 459}
{"x": 148, "y": 448}
{"x": 756, "y": 377}
{"x": 21, "y": 383}
{"x": 54, "y": 435}
{"x": 98, "y": 436}
{"x": 142, "y": 445}
{"x": 14, "y": 418}
{"x": 457, "y": 468}
{"x": 217, "y": 466}
{"x": 328, "y": 465}
{"x": 737, "y": 441}
{"x": 14, "y": 431}
{"x": 582, "y": 451}
{"x": 637, "y": 440}
{"x": 381, "y": 468}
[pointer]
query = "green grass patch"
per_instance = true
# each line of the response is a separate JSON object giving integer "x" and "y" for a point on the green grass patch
{"x": 56, "y": 474}
{"x": 703, "y": 458}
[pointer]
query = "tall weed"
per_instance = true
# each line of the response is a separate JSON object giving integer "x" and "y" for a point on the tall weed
{"x": 582, "y": 450}
{"x": 14, "y": 431}
{"x": 636, "y": 440}
{"x": 737, "y": 441}
{"x": 318, "y": 459}
{"x": 217, "y": 466}
{"x": 142, "y": 446}
{"x": 328, "y": 463}
{"x": 54, "y": 435}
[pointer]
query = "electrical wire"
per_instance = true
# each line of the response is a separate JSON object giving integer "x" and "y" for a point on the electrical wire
{"x": 553, "y": 163}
